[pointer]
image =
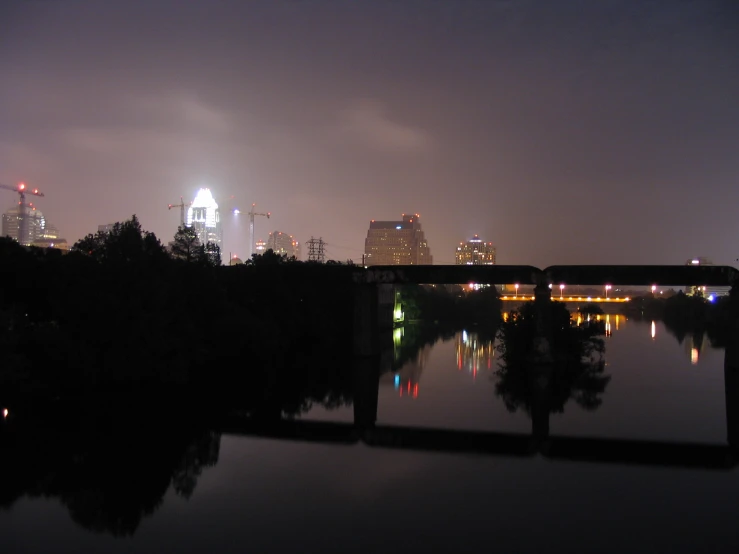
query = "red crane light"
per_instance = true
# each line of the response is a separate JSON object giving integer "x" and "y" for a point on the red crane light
{"x": 21, "y": 186}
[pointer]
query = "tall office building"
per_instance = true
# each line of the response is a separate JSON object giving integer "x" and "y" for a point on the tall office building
{"x": 282, "y": 243}
{"x": 35, "y": 224}
{"x": 475, "y": 252}
{"x": 260, "y": 247}
{"x": 205, "y": 218}
{"x": 397, "y": 243}
{"x": 51, "y": 232}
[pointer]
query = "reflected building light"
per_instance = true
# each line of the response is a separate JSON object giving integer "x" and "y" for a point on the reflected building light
{"x": 617, "y": 322}
{"x": 608, "y": 325}
{"x": 694, "y": 355}
{"x": 654, "y": 329}
{"x": 397, "y": 380}
{"x": 472, "y": 353}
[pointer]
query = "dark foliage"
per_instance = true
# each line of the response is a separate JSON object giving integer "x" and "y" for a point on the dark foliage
{"x": 577, "y": 364}
{"x": 450, "y": 304}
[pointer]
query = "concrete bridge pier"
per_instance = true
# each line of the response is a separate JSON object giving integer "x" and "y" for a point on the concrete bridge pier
{"x": 372, "y": 330}
{"x": 731, "y": 372}
{"x": 540, "y": 365}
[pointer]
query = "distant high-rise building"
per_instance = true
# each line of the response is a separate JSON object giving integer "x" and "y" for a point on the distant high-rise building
{"x": 51, "y": 232}
{"x": 475, "y": 252}
{"x": 282, "y": 243}
{"x": 397, "y": 243}
{"x": 204, "y": 217}
{"x": 107, "y": 228}
{"x": 260, "y": 247}
{"x": 35, "y": 227}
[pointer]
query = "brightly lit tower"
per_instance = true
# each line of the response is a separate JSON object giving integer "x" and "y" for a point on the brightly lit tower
{"x": 203, "y": 216}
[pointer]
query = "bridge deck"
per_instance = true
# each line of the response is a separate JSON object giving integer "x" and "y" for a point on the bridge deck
{"x": 600, "y": 275}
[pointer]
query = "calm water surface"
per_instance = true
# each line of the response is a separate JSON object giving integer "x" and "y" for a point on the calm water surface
{"x": 267, "y": 495}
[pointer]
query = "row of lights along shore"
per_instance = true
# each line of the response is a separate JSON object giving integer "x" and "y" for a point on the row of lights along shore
{"x": 562, "y": 288}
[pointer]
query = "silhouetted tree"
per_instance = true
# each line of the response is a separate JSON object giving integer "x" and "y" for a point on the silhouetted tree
{"x": 186, "y": 244}
{"x": 126, "y": 242}
{"x": 209, "y": 254}
{"x": 269, "y": 257}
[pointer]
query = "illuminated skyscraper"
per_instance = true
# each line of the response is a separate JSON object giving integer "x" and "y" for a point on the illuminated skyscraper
{"x": 282, "y": 243}
{"x": 260, "y": 247}
{"x": 204, "y": 217}
{"x": 475, "y": 252}
{"x": 34, "y": 229}
{"x": 397, "y": 243}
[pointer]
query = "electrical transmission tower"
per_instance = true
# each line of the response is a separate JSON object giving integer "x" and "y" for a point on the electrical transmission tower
{"x": 316, "y": 250}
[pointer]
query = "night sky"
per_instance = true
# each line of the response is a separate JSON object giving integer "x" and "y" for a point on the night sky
{"x": 580, "y": 131}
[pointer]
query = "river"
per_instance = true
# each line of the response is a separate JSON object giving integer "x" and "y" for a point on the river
{"x": 231, "y": 493}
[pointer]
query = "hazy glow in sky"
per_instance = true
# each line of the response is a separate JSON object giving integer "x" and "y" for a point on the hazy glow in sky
{"x": 563, "y": 132}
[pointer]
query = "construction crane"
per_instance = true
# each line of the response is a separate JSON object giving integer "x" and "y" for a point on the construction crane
{"x": 252, "y": 213}
{"x": 22, "y": 190}
{"x": 182, "y": 207}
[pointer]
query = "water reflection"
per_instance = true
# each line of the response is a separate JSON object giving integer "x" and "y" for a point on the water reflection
{"x": 474, "y": 350}
{"x": 571, "y": 366}
{"x": 108, "y": 478}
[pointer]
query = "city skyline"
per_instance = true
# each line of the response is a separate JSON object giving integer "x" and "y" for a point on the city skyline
{"x": 568, "y": 132}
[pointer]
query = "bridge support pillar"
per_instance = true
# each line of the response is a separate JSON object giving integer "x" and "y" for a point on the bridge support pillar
{"x": 731, "y": 372}
{"x": 541, "y": 364}
{"x": 366, "y": 347}
{"x": 365, "y": 325}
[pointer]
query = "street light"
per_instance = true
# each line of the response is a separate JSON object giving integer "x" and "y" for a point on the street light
{"x": 516, "y": 287}
{"x": 608, "y": 287}
{"x": 561, "y": 289}
{"x": 654, "y": 289}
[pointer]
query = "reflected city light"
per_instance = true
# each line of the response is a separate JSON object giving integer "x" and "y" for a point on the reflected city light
{"x": 694, "y": 355}
{"x": 654, "y": 329}
{"x": 608, "y": 325}
{"x": 472, "y": 353}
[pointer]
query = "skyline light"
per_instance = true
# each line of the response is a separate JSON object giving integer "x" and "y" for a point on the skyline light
{"x": 562, "y": 130}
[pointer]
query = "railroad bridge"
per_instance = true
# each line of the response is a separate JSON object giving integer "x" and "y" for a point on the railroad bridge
{"x": 373, "y": 302}
{"x": 374, "y": 293}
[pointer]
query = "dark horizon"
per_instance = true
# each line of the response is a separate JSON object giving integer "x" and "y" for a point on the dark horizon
{"x": 574, "y": 132}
